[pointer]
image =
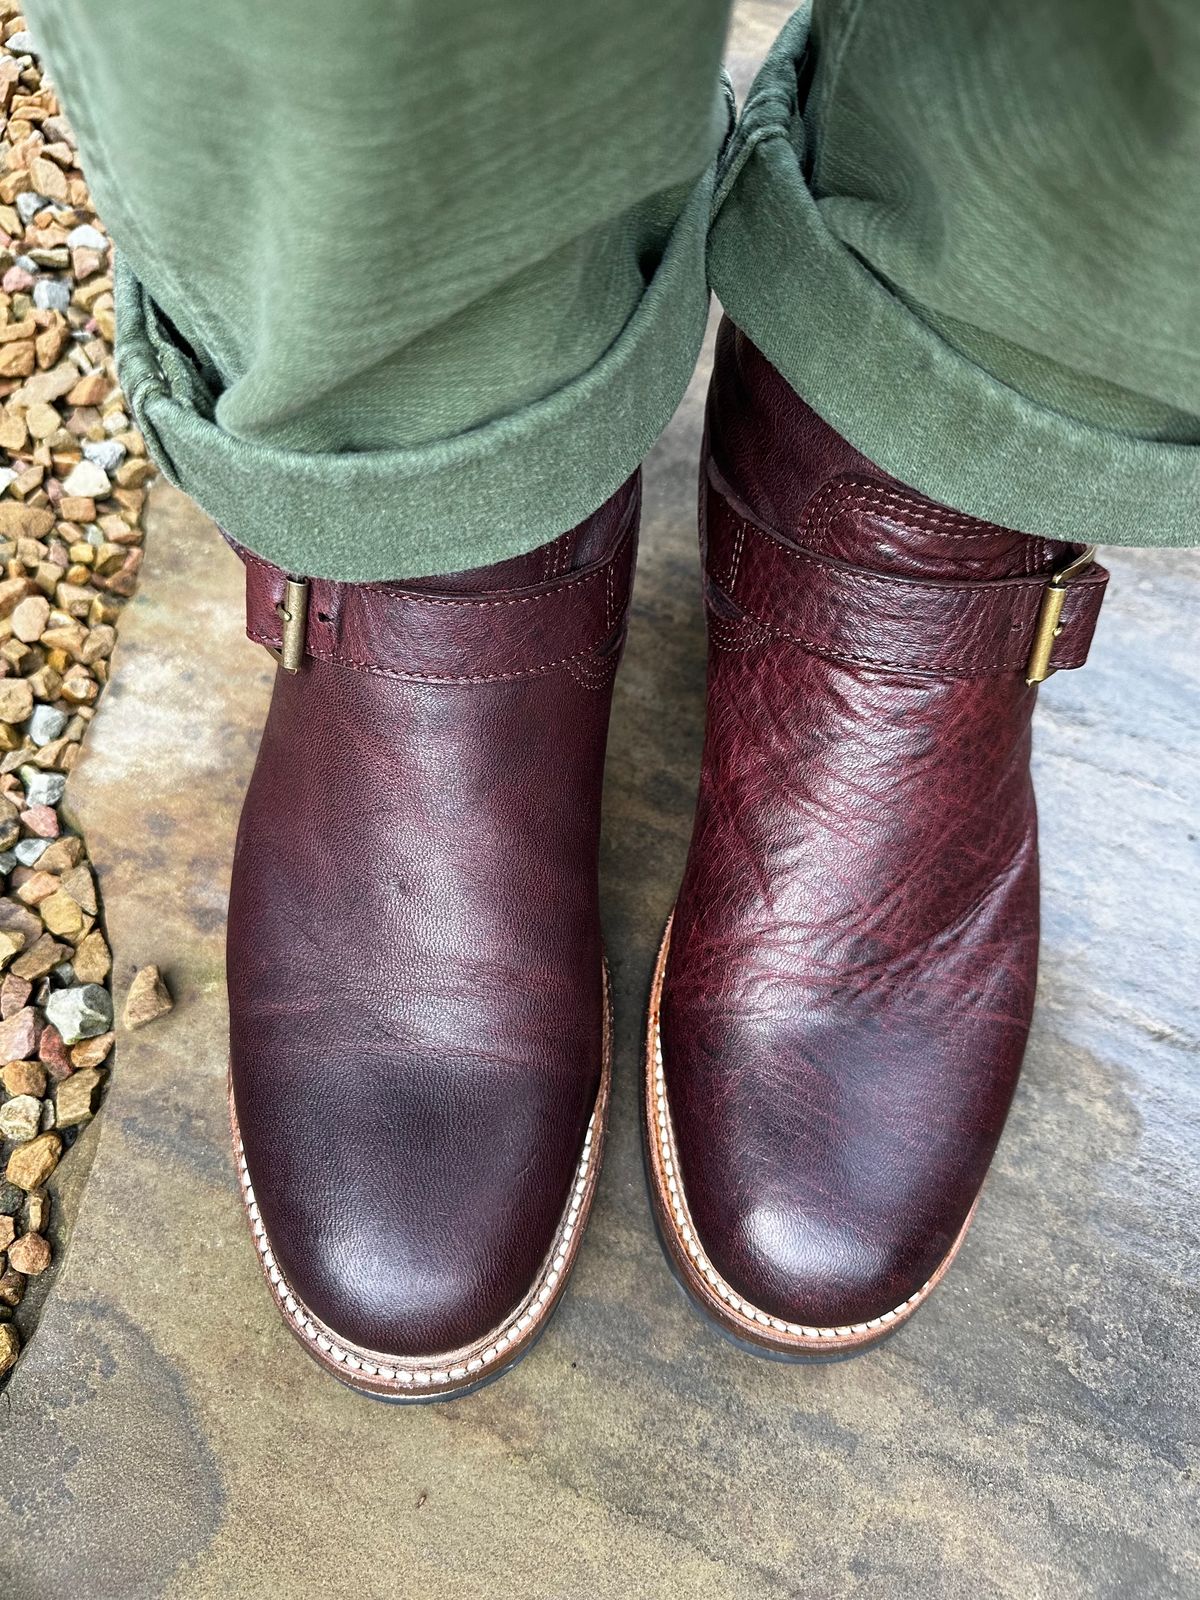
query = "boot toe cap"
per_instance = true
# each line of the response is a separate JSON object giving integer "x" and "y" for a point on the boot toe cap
{"x": 812, "y": 1270}
{"x": 397, "y": 1248}
{"x": 819, "y": 1198}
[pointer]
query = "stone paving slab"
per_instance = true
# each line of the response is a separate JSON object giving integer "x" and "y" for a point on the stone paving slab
{"x": 1032, "y": 1433}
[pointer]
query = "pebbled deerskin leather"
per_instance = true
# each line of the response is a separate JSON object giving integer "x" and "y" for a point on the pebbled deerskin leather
{"x": 415, "y": 968}
{"x": 852, "y": 958}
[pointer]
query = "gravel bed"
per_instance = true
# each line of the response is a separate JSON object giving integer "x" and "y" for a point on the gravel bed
{"x": 73, "y": 480}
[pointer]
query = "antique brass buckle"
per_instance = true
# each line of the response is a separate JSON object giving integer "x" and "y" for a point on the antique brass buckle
{"x": 1049, "y": 622}
{"x": 293, "y": 610}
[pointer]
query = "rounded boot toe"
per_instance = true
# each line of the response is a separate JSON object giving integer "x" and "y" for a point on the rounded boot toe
{"x": 811, "y": 1270}
{"x": 384, "y": 1246}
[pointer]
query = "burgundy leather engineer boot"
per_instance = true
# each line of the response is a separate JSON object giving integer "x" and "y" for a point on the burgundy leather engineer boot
{"x": 844, "y": 991}
{"x": 418, "y": 1003}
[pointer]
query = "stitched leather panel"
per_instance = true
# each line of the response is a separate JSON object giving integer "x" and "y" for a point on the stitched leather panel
{"x": 888, "y": 619}
{"x": 414, "y": 631}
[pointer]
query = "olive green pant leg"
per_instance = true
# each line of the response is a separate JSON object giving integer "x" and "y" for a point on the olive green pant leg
{"x": 434, "y": 269}
{"x": 403, "y": 286}
{"x": 969, "y": 234}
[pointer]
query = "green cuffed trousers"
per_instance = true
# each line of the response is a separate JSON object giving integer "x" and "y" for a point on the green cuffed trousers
{"x": 409, "y": 286}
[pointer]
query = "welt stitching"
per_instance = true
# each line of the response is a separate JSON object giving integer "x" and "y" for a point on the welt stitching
{"x": 424, "y": 1371}
{"x": 670, "y": 1196}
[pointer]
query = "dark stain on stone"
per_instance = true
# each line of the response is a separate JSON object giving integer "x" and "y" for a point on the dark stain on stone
{"x": 107, "y": 1478}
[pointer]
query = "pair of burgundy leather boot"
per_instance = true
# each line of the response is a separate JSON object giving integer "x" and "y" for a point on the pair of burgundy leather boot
{"x": 420, "y": 1058}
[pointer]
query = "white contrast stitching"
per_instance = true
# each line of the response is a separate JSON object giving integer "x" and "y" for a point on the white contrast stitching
{"x": 664, "y": 1135}
{"x": 738, "y": 542}
{"x": 416, "y": 1373}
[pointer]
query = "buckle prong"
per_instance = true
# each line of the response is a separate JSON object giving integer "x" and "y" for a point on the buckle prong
{"x": 293, "y": 611}
{"x": 1049, "y": 622}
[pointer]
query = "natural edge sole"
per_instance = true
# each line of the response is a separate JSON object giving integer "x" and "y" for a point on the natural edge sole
{"x": 447, "y": 1375}
{"x": 746, "y": 1325}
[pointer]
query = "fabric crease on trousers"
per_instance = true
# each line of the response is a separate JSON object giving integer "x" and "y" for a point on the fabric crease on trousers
{"x": 431, "y": 318}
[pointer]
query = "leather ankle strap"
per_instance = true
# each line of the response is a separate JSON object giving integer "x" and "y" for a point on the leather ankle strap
{"x": 907, "y": 624}
{"x": 452, "y": 638}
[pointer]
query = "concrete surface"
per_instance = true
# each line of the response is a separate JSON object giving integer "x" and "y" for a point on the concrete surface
{"x": 1034, "y": 1432}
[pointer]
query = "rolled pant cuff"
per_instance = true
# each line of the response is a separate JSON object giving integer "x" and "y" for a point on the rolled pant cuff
{"x": 897, "y": 391}
{"x": 505, "y": 487}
